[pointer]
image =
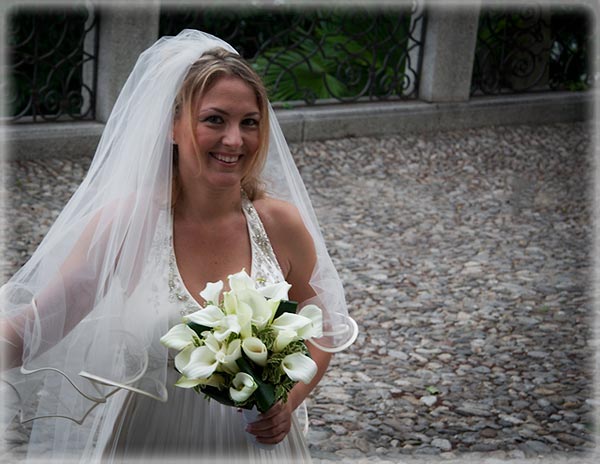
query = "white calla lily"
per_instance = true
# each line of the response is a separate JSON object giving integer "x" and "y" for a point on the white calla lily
{"x": 299, "y": 368}
{"x": 230, "y": 368}
{"x": 202, "y": 364}
{"x": 229, "y": 353}
{"x": 211, "y": 292}
{"x": 230, "y": 303}
{"x": 210, "y": 316}
{"x": 183, "y": 357}
{"x": 226, "y": 355}
{"x": 210, "y": 359}
{"x": 263, "y": 309}
{"x": 284, "y": 338}
{"x": 244, "y": 314}
{"x": 256, "y": 350}
{"x": 212, "y": 343}
{"x": 228, "y": 325}
{"x": 214, "y": 380}
{"x": 198, "y": 365}
{"x": 315, "y": 328}
{"x": 240, "y": 281}
{"x": 278, "y": 291}
{"x": 242, "y": 387}
{"x": 290, "y": 321}
{"x": 184, "y": 382}
{"x": 179, "y": 337}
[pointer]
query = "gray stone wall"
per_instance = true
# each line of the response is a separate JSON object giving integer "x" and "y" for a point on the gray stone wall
{"x": 444, "y": 103}
{"x": 448, "y": 53}
{"x": 124, "y": 34}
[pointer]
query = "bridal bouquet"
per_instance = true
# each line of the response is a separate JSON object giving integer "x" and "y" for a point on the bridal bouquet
{"x": 245, "y": 347}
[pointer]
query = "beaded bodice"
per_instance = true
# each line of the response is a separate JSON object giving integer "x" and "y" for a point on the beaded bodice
{"x": 264, "y": 266}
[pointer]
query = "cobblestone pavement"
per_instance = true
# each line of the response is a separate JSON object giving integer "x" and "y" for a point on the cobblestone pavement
{"x": 466, "y": 257}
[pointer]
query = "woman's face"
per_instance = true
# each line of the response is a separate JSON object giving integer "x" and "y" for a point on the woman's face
{"x": 226, "y": 132}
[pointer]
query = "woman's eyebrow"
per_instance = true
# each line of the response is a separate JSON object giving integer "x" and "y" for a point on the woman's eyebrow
{"x": 222, "y": 111}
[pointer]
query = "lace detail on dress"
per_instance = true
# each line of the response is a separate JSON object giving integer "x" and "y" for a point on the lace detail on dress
{"x": 264, "y": 266}
{"x": 178, "y": 293}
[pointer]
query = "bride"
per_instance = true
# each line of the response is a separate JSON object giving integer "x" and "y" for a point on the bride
{"x": 192, "y": 181}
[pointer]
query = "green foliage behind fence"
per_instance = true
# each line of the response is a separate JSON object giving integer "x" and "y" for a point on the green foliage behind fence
{"x": 306, "y": 56}
{"x": 318, "y": 54}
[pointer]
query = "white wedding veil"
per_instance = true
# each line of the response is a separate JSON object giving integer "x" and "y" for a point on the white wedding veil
{"x": 87, "y": 304}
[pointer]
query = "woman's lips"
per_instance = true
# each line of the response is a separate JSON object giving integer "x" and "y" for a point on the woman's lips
{"x": 225, "y": 157}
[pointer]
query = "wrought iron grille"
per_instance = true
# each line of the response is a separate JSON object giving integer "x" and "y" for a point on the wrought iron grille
{"x": 534, "y": 48}
{"x": 319, "y": 55}
{"x": 52, "y": 59}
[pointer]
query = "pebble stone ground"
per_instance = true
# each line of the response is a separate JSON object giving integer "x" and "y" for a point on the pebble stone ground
{"x": 467, "y": 261}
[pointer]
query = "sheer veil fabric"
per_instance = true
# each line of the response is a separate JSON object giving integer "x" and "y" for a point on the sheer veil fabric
{"x": 87, "y": 303}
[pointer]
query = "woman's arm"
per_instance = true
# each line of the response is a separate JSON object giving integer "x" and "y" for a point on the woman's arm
{"x": 12, "y": 342}
{"x": 70, "y": 294}
{"x": 295, "y": 251}
{"x": 69, "y": 289}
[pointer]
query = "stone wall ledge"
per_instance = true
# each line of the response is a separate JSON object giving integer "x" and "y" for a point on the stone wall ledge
{"x": 386, "y": 118}
{"x": 26, "y": 141}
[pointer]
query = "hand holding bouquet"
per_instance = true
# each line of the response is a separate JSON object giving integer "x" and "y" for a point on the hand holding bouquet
{"x": 247, "y": 348}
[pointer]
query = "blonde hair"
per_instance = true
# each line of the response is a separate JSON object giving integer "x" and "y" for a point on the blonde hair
{"x": 211, "y": 66}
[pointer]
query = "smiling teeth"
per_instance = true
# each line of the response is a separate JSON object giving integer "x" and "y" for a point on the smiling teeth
{"x": 225, "y": 158}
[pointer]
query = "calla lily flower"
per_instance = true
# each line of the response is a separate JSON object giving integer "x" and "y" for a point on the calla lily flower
{"x": 230, "y": 303}
{"x": 278, "y": 291}
{"x": 290, "y": 321}
{"x": 308, "y": 323}
{"x": 240, "y": 281}
{"x": 244, "y": 315}
{"x": 179, "y": 337}
{"x": 214, "y": 380}
{"x": 183, "y": 358}
{"x": 262, "y": 309}
{"x": 284, "y": 338}
{"x": 299, "y": 367}
{"x": 315, "y": 328}
{"x": 184, "y": 382}
{"x": 212, "y": 316}
{"x": 211, "y": 292}
{"x": 201, "y": 364}
{"x": 256, "y": 350}
{"x": 242, "y": 386}
{"x": 225, "y": 354}
{"x": 228, "y": 325}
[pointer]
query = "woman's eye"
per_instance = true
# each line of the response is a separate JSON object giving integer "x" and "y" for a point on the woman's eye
{"x": 250, "y": 122}
{"x": 214, "y": 119}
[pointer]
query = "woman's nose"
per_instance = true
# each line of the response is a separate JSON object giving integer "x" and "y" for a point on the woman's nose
{"x": 232, "y": 136}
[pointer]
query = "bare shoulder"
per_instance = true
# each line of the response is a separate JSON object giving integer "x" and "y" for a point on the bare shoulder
{"x": 278, "y": 214}
{"x": 289, "y": 237}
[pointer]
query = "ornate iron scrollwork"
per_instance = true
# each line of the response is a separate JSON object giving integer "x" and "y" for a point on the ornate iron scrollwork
{"x": 52, "y": 66}
{"x": 532, "y": 48}
{"x": 317, "y": 55}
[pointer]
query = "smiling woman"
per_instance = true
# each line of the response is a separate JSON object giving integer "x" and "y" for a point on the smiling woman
{"x": 222, "y": 93}
{"x": 225, "y": 139}
{"x": 173, "y": 201}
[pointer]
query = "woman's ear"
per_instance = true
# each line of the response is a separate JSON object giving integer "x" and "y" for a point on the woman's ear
{"x": 175, "y": 132}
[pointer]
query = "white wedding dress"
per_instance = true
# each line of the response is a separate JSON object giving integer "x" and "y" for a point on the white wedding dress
{"x": 95, "y": 297}
{"x": 188, "y": 426}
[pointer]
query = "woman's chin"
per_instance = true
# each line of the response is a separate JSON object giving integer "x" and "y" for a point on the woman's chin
{"x": 224, "y": 180}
